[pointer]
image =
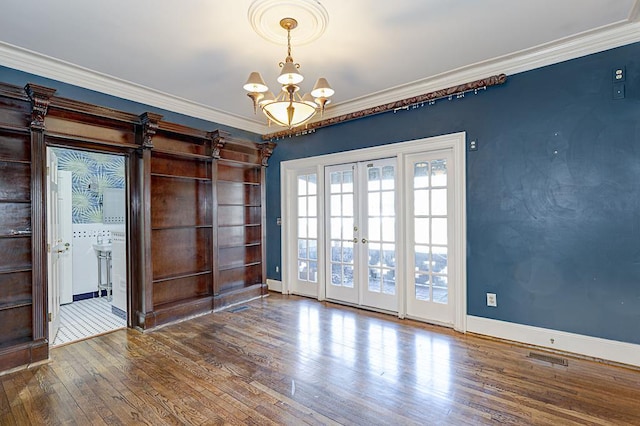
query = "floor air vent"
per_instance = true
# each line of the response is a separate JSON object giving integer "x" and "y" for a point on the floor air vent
{"x": 549, "y": 358}
{"x": 239, "y": 309}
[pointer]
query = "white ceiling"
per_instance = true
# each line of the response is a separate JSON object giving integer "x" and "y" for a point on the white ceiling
{"x": 196, "y": 54}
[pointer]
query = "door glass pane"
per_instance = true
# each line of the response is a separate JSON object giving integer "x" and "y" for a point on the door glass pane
{"x": 422, "y": 287}
{"x": 302, "y": 185}
{"x": 421, "y": 175}
{"x": 422, "y": 259}
{"x": 347, "y": 252}
{"x": 313, "y": 271}
{"x": 440, "y": 290}
{"x": 347, "y": 181}
{"x": 312, "y": 184}
{"x": 347, "y": 228}
{"x": 302, "y": 206}
{"x": 439, "y": 173}
{"x": 421, "y": 202}
{"x": 336, "y": 274}
{"x": 347, "y": 276}
{"x": 335, "y": 182}
{"x": 374, "y": 254}
{"x": 388, "y": 203}
{"x": 374, "y": 280}
{"x": 336, "y": 251}
{"x": 374, "y": 179}
{"x": 389, "y": 255}
{"x": 336, "y": 205}
{"x": 439, "y": 202}
{"x": 439, "y": 259}
{"x": 302, "y": 270}
{"x": 374, "y": 204}
{"x": 302, "y": 249}
{"x": 388, "y": 177}
{"x": 374, "y": 229}
{"x": 313, "y": 206}
{"x": 313, "y": 227}
{"x": 421, "y": 231}
{"x": 347, "y": 205}
{"x": 302, "y": 228}
{"x": 389, "y": 281}
{"x": 388, "y": 229}
{"x": 439, "y": 231}
{"x": 313, "y": 249}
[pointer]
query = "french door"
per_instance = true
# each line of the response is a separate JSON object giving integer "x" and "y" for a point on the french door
{"x": 430, "y": 231}
{"x": 360, "y": 201}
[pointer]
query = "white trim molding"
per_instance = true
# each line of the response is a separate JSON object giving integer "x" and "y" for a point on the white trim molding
{"x": 274, "y": 285}
{"x": 592, "y": 347}
{"x": 46, "y": 66}
{"x": 288, "y": 172}
{"x": 593, "y": 41}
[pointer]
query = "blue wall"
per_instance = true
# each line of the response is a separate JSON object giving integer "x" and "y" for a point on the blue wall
{"x": 64, "y": 90}
{"x": 553, "y": 192}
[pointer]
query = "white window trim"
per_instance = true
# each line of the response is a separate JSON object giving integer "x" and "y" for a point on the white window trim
{"x": 290, "y": 169}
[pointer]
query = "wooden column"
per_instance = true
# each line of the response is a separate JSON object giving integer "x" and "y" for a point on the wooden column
{"x": 40, "y": 98}
{"x": 144, "y": 312}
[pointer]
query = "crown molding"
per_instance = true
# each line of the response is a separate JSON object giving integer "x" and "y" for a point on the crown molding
{"x": 594, "y": 41}
{"x": 46, "y": 66}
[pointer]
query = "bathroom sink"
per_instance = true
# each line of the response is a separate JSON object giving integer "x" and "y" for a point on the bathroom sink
{"x": 102, "y": 247}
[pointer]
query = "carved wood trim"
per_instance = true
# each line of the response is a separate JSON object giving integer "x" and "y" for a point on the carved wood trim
{"x": 40, "y": 97}
{"x": 218, "y": 141}
{"x": 450, "y": 91}
{"x": 266, "y": 149}
{"x": 150, "y": 123}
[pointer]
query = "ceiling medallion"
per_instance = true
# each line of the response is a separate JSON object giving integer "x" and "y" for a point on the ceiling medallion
{"x": 311, "y": 16}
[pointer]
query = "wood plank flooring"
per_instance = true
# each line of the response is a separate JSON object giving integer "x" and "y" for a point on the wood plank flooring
{"x": 291, "y": 360}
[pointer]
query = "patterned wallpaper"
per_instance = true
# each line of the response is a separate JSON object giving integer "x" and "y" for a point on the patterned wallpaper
{"x": 92, "y": 173}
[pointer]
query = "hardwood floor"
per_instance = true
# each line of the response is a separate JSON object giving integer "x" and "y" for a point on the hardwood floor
{"x": 291, "y": 360}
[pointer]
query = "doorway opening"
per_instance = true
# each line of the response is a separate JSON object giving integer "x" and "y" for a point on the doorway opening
{"x": 86, "y": 244}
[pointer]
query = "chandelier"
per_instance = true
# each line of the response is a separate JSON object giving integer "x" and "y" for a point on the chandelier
{"x": 288, "y": 109}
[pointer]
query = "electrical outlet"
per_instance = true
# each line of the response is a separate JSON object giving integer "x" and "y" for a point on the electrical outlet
{"x": 492, "y": 300}
{"x": 473, "y": 145}
{"x": 619, "y": 74}
{"x": 277, "y": 269}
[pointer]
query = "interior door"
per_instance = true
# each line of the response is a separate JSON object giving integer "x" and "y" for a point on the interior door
{"x": 429, "y": 186}
{"x": 361, "y": 234}
{"x": 65, "y": 234}
{"x": 55, "y": 247}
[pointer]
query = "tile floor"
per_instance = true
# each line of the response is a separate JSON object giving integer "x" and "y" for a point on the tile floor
{"x": 86, "y": 318}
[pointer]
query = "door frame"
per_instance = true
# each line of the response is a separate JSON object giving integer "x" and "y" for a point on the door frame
{"x": 53, "y": 141}
{"x": 456, "y": 142}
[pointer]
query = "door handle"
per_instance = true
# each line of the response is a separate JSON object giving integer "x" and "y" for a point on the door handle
{"x": 364, "y": 241}
{"x": 355, "y": 240}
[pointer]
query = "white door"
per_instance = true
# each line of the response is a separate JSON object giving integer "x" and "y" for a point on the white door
{"x": 65, "y": 234}
{"x": 55, "y": 247}
{"x": 430, "y": 230}
{"x": 361, "y": 234}
{"x": 306, "y": 207}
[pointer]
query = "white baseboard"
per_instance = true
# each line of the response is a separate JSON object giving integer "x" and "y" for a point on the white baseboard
{"x": 592, "y": 347}
{"x": 274, "y": 285}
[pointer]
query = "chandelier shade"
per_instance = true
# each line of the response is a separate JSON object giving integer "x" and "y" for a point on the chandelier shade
{"x": 288, "y": 109}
